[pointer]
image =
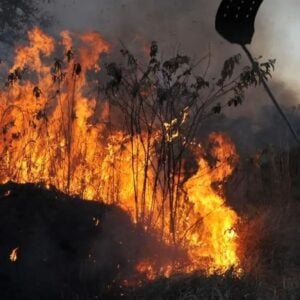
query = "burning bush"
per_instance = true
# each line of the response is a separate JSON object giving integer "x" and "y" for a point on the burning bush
{"x": 131, "y": 142}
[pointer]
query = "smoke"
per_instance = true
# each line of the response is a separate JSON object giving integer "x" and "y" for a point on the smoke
{"x": 188, "y": 27}
{"x": 186, "y": 24}
{"x": 127, "y": 18}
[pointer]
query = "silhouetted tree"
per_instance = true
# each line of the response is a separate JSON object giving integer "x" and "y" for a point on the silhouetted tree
{"x": 17, "y": 15}
{"x": 164, "y": 105}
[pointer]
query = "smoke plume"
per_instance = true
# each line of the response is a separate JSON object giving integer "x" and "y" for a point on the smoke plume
{"x": 188, "y": 27}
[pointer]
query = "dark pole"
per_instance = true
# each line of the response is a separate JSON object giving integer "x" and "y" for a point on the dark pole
{"x": 235, "y": 22}
{"x": 272, "y": 97}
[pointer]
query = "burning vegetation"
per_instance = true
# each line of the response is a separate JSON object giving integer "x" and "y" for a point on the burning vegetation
{"x": 129, "y": 139}
{"x": 133, "y": 153}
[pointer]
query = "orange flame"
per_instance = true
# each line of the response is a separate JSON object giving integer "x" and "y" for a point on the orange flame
{"x": 48, "y": 134}
{"x": 14, "y": 255}
{"x": 217, "y": 239}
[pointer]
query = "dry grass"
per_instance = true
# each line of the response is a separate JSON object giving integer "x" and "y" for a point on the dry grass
{"x": 265, "y": 190}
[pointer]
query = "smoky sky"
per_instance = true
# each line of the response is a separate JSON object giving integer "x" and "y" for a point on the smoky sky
{"x": 189, "y": 23}
{"x": 173, "y": 23}
{"x": 188, "y": 27}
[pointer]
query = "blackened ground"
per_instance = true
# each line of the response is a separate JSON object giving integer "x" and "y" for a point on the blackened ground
{"x": 67, "y": 248}
{"x": 74, "y": 249}
{"x": 226, "y": 287}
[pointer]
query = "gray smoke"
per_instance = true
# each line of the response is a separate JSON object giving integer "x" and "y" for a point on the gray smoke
{"x": 188, "y": 27}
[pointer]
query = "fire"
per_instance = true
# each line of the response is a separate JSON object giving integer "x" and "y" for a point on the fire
{"x": 56, "y": 130}
{"x": 150, "y": 271}
{"x": 146, "y": 268}
{"x": 14, "y": 255}
{"x": 217, "y": 240}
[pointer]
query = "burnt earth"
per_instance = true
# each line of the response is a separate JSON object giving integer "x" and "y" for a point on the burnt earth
{"x": 67, "y": 248}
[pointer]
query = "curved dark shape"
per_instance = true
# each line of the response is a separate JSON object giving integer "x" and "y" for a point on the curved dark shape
{"x": 235, "y": 20}
{"x": 68, "y": 248}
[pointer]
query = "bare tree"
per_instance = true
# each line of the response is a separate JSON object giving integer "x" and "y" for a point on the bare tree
{"x": 163, "y": 106}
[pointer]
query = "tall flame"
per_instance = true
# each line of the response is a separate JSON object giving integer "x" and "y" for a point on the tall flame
{"x": 217, "y": 238}
{"x": 52, "y": 132}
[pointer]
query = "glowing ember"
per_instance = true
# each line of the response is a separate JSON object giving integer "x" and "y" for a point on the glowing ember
{"x": 7, "y": 193}
{"x": 14, "y": 255}
{"x": 146, "y": 268}
{"x": 52, "y": 132}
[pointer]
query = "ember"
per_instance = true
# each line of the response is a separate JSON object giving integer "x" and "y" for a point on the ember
{"x": 14, "y": 255}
